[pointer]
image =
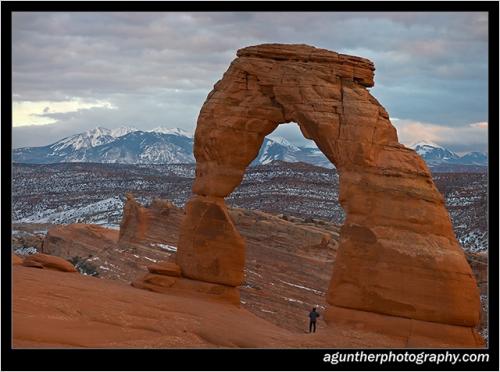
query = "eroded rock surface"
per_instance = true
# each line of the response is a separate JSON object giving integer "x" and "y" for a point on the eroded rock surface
{"x": 398, "y": 254}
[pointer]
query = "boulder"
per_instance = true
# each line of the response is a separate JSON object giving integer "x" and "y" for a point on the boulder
{"x": 44, "y": 261}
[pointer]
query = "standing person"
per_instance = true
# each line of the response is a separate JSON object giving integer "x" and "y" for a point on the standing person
{"x": 313, "y": 315}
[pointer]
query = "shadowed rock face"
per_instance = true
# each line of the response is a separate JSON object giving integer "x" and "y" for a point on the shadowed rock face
{"x": 398, "y": 254}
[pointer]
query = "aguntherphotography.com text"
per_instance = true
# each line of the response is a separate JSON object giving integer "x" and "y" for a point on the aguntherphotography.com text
{"x": 405, "y": 357}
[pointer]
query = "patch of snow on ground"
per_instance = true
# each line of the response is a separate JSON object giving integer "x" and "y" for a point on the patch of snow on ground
{"x": 253, "y": 272}
{"x": 17, "y": 233}
{"x": 293, "y": 300}
{"x": 302, "y": 287}
{"x": 166, "y": 247}
{"x": 75, "y": 215}
{"x": 111, "y": 226}
{"x": 25, "y": 251}
{"x": 267, "y": 311}
{"x": 44, "y": 232}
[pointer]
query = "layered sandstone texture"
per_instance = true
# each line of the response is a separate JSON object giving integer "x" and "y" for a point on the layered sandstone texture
{"x": 398, "y": 255}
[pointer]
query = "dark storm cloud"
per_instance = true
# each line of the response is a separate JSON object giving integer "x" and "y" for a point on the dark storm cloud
{"x": 157, "y": 68}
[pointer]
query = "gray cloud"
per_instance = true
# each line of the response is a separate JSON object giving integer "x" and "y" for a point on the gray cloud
{"x": 157, "y": 68}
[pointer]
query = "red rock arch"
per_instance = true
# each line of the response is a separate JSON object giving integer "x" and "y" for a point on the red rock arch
{"x": 398, "y": 254}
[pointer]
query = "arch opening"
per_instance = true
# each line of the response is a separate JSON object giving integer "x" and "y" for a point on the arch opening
{"x": 398, "y": 255}
{"x": 284, "y": 188}
{"x": 290, "y": 225}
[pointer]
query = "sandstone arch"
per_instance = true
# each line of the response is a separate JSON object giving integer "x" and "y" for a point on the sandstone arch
{"x": 398, "y": 255}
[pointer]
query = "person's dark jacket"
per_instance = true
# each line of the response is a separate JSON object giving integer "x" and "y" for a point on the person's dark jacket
{"x": 313, "y": 315}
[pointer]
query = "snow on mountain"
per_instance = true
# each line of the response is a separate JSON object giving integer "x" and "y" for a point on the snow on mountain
{"x": 158, "y": 146}
{"x": 174, "y": 131}
{"x": 425, "y": 143}
{"x": 144, "y": 148}
{"x": 475, "y": 158}
{"x": 90, "y": 138}
{"x": 278, "y": 148}
{"x": 435, "y": 155}
{"x": 121, "y": 131}
{"x": 283, "y": 142}
{"x": 121, "y": 145}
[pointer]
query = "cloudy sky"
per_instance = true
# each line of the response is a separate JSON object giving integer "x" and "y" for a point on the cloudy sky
{"x": 76, "y": 71}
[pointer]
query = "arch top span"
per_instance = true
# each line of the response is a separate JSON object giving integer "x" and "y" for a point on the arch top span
{"x": 345, "y": 66}
{"x": 267, "y": 85}
{"x": 398, "y": 254}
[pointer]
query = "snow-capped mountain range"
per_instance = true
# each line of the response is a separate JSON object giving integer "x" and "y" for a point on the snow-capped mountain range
{"x": 121, "y": 145}
{"x": 157, "y": 146}
{"x": 434, "y": 154}
{"x": 173, "y": 145}
{"x": 278, "y": 148}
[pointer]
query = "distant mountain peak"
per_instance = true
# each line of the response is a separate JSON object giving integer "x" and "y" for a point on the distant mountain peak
{"x": 97, "y": 131}
{"x": 175, "y": 131}
{"x": 121, "y": 131}
{"x": 433, "y": 153}
{"x": 437, "y": 155}
{"x": 422, "y": 143}
{"x": 283, "y": 142}
{"x": 90, "y": 138}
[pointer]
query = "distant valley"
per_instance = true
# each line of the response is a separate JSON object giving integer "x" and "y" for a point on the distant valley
{"x": 94, "y": 193}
